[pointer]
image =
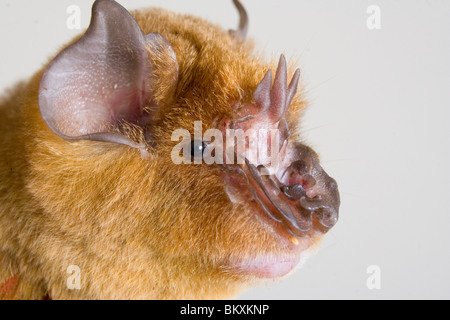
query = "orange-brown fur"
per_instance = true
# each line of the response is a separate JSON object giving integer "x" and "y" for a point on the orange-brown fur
{"x": 137, "y": 227}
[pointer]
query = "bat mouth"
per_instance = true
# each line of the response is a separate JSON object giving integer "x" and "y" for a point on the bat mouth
{"x": 302, "y": 216}
{"x": 292, "y": 199}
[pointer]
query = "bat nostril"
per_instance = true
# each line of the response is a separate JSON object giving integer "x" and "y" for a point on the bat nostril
{"x": 298, "y": 173}
{"x": 294, "y": 192}
{"x": 308, "y": 181}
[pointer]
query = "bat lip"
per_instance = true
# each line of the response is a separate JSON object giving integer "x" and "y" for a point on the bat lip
{"x": 297, "y": 213}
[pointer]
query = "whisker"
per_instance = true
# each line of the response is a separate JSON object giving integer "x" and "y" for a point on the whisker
{"x": 339, "y": 160}
{"x": 308, "y": 89}
{"x": 358, "y": 196}
{"x": 307, "y": 130}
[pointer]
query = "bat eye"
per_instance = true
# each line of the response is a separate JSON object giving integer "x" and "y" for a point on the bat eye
{"x": 197, "y": 149}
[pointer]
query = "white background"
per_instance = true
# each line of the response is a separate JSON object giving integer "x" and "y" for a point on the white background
{"x": 378, "y": 116}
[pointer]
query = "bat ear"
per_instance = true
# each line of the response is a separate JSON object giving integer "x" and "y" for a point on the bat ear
{"x": 112, "y": 75}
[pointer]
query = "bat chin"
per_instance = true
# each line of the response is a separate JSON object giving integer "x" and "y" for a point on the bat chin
{"x": 273, "y": 266}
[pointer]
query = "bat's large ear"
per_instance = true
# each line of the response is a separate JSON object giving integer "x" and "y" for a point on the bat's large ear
{"x": 113, "y": 75}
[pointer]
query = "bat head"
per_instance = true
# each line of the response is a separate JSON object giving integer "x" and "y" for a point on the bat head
{"x": 191, "y": 153}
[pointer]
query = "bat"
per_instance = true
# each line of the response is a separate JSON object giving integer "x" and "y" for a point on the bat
{"x": 157, "y": 157}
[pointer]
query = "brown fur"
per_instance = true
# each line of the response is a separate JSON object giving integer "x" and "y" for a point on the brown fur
{"x": 137, "y": 228}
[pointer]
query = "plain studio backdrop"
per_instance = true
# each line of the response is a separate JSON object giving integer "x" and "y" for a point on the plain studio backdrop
{"x": 377, "y": 77}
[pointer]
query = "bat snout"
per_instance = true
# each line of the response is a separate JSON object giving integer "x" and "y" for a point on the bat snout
{"x": 301, "y": 197}
{"x": 306, "y": 182}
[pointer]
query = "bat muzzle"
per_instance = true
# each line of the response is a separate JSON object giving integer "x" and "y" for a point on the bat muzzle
{"x": 301, "y": 196}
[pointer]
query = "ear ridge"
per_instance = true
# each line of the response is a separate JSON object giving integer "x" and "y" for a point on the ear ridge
{"x": 105, "y": 79}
